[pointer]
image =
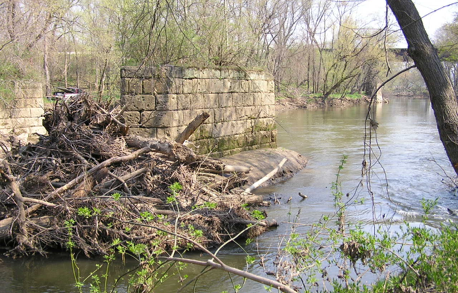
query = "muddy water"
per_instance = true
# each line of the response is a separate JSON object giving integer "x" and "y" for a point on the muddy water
{"x": 413, "y": 167}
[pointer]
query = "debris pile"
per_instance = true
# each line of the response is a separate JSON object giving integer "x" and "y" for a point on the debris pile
{"x": 89, "y": 184}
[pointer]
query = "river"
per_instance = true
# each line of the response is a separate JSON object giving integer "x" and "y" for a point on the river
{"x": 413, "y": 166}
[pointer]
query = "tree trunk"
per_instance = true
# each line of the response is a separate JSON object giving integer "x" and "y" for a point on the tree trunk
{"x": 46, "y": 67}
{"x": 442, "y": 95}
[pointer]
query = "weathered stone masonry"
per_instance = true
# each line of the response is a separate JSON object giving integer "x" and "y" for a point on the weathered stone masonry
{"x": 23, "y": 116}
{"x": 162, "y": 101}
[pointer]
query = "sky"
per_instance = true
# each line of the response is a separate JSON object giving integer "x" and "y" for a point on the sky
{"x": 376, "y": 9}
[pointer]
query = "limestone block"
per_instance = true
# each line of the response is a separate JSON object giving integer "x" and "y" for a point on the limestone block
{"x": 166, "y": 102}
{"x": 252, "y": 139}
{"x": 189, "y": 86}
{"x": 270, "y": 86}
{"x": 259, "y": 86}
{"x": 21, "y": 103}
{"x": 225, "y": 114}
{"x": 210, "y": 73}
{"x": 5, "y": 131}
{"x": 245, "y": 86}
{"x": 131, "y": 86}
{"x": 265, "y": 137}
{"x": 235, "y": 86}
{"x": 160, "y": 118}
{"x": 6, "y": 123}
{"x": 29, "y": 103}
{"x": 242, "y": 100}
{"x": 219, "y": 115}
{"x": 258, "y": 99}
{"x": 237, "y": 99}
{"x": 269, "y": 99}
{"x": 144, "y": 132}
{"x": 162, "y": 85}
{"x": 204, "y": 146}
{"x": 274, "y": 135}
{"x": 124, "y": 86}
{"x": 186, "y": 116}
{"x": 147, "y": 86}
{"x": 247, "y": 100}
{"x": 176, "y": 86}
{"x": 222, "y": 129}
{"x": 226, "y": 74}
{"x": 256, "y": 75}
{"x": 183, "y": 102}
{"x": 211, "y": 101}
{"x": 219, "y": 86}
{"x": 245, "y": 113}
{"x": 26, "y": 122}
{"x": 169, "y": 133}
{"x": 139, "y": 102}
{"x": 132, "y": 118}
{"x": 37, "y": 129}
{"x": 262, "y": 111}
{"x": 5, "y": 114}
{"x": 197, "y": 101}
{"x": 229, "y": 128}
{"x": 21, "y": 113}
{"x": 36, "y": 112}
{"x": 175, "y": 71}
{"x": 192, "y": 73}
{"x": 225, "y": 100}
{"x": 204, "y": 131}
{"x": 233, "y": 74}
{"x": 270, "y": 112}
{"x": 262, "y": 124}
{"x": 231, "y": 142}
{"x": 202, "y": 85}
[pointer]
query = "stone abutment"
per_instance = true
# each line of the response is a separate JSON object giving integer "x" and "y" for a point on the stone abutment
{"x": 161, "y": 101}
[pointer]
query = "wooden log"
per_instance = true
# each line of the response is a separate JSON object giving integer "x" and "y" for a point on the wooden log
{"x": 173, "y": 150}
{"x": 189, "y": 130}
{"x": 265, "y": 178}
{"x": 249, "y": 199}
{"x": 126, "y": 177}
{"x": 233, "y": 168}
{"x": 263, "y": 223}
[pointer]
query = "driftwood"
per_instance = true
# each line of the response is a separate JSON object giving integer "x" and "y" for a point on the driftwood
{"x": 265, "y": 178}
{"x": 191, "y": 128}
{"x": 173, "y": 150}
{"x": 88, "y": 174}
{"x": 233, "y": 168}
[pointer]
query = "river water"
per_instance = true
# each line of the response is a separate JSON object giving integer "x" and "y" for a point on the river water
{"x": 413, "y": 166}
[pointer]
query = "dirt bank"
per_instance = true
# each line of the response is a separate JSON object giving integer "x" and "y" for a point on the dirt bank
{"x": 316, "y": 103}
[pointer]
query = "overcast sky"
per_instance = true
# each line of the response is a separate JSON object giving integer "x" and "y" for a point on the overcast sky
{"x": 375, "y": 9}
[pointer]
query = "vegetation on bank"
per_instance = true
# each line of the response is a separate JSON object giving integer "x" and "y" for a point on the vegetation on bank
{"x": 332, "y": 255}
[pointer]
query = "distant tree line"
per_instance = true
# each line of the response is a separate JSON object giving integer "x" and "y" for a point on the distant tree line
{"x": 315, "y": 46}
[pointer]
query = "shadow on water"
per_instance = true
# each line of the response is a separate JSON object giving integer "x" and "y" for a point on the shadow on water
{"x": 413, "y": 161}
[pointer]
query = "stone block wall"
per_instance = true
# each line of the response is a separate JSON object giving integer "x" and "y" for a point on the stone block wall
{"x": 162, "y": 101}
{"x": 23, "y": 115}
